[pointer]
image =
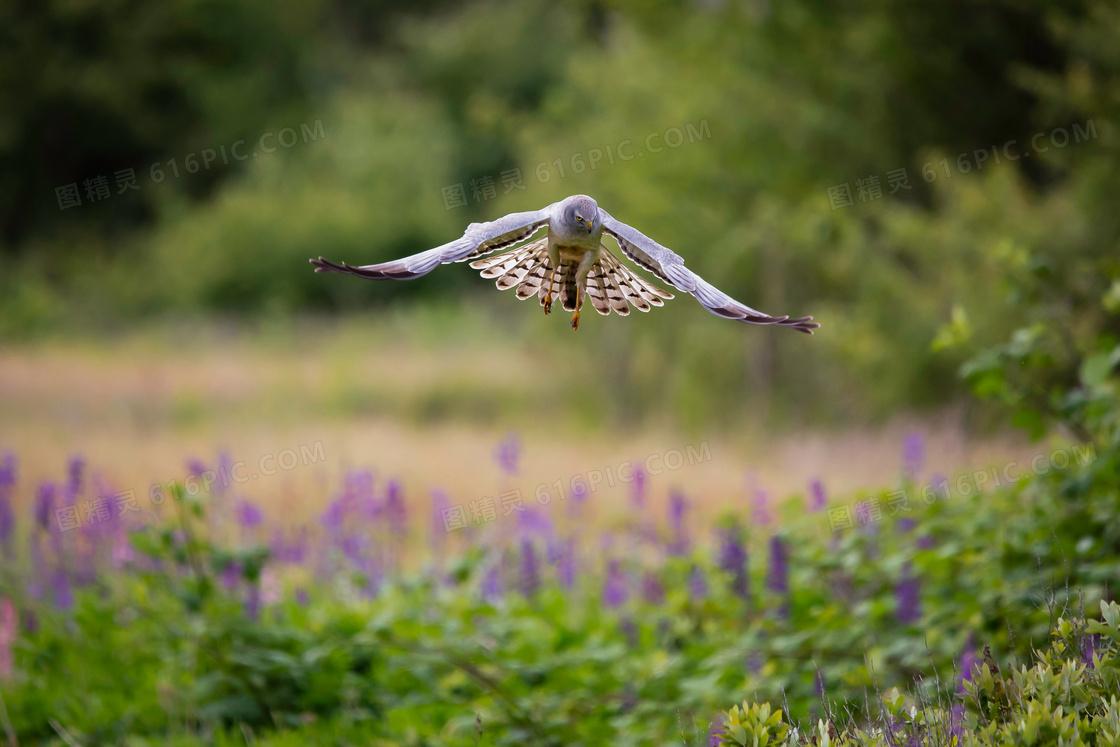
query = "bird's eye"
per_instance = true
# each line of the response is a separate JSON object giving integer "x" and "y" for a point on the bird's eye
{"x": 579, "y": 218}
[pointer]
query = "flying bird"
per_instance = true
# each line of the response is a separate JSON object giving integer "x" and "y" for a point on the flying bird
{"x": 570, "y": 262}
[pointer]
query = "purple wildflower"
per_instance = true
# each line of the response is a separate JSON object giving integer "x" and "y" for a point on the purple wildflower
{"x": 653, "y": 591}
{"x": 395, "y": 509}
{"x": 122, "y": 553}
{"x": 532, "y": 521}
{"x": 333, "y": 518}
{"x": 7, "y": 523}
{"x": 63, "y": 596}
{"x": 249, "y": 515}
{"x": 733, "y": 560}
{"x": 530, "y": 570}
{"x": 230, "y": 577}
{"x": 507, "y": 453}
{"x": 817, "y": 496}
{"x": 1088, "y": 649}
{"x": 697, "y": 584}
{"x": 615, "y": 591}
{"x": 284, "y": 551}
{"x": 566, "y": 564}
{"x": 44, "y": 505}
{"x": 629, "y": 630}
{"x": 714, "y": 732}
{"x": 8, "y": 472}
{"x": 196, "y": 467}
{"x": 638, "y": 489}
{"x": 908, "y": 597}
{"x": 677, "y": 508}
{"x": 760, "y": 502}
{"x": 301, "y": 597}
{"x": 969, "y": 661}
{"x": 253, "y": 602}
{"x": 913, "y": 454}
{"x": 75, "y": 469}
{"x": 906, "y": 524}
{"x": 492, "y": 589}
{"x": 9, "y": 629}
{"x": 225, "y": 471}
{"x": 777, "y": 579}
{"x": 7, "y": 485}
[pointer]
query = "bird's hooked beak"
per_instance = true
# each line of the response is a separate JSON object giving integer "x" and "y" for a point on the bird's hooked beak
{"x": 590, "y": 227}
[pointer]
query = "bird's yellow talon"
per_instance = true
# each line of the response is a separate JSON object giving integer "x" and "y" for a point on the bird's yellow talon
{"x": 575, "y": 321}
{"x": 547, "y": 305}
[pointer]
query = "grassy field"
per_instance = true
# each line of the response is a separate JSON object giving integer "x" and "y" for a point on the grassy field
{"x": 413, "y": 405}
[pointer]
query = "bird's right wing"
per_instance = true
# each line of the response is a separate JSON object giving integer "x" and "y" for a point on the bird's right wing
{"x": 479, "y": 239}
{"x": 669, "y": 266}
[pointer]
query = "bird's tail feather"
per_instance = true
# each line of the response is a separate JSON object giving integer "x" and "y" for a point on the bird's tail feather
{"x": 611, "y": 284}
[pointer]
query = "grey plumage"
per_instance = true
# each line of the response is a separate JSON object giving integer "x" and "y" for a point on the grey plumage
{"x": 570, "y": 261}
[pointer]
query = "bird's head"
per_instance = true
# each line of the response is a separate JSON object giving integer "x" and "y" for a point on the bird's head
{"x": 582, "y": 214}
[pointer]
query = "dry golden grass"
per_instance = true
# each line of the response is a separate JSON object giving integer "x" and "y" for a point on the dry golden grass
{"x": 138, "y": 406}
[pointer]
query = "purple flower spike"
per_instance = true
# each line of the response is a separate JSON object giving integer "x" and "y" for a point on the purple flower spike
{"x": 530, "y": 570}
{"x": 249, "y": 515}
{"x": 615, "y": 591}
{"x": 697, "y": 584}
{"x": 9, "y": 470}
{"x": 653, "y": 591}
{"x": 969, "y": 660}
{"x": 492, "y": 589}
{"x": 761, "y": 513}
{"x": 817, "y": 496}
{"x": 7, "y": 523}
{"x": 507, "y": 454}
{"x": 908, "y": 597}
{"x": 566, "y": 564}
{"x": 677, "y": 509}
{"x": 777, "y": 580}
{"x": 230, "y": 576}
{"x": 253, "y": 602}
{"x": 63, "y": 596}
{"x": 1089, "y": 649}
{"x": 44, "y": 505}
{"x": 395, "y": 509}
{"x": 714, "y": 732}
{"x": 638, "y": 489}
{"x": 733, "y": 560}
{"x": 913, "y": 454}
{"x": 75, "y": 469}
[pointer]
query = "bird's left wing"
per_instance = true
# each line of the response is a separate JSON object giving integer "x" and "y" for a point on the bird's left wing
{"x": 669, "y": 266}
{"x": 479, "y": 239}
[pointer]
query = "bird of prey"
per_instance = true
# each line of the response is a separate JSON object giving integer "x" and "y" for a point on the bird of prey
{"x": 570, "y": 262}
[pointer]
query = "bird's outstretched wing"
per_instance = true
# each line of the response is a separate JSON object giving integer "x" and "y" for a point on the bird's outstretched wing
{"x": 479, "y": 239}
{"x": 669, "y": 266}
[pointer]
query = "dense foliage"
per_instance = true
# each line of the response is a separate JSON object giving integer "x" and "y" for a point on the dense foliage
{"x": 537, "y": 630}
{"x": 795, "y": 98}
